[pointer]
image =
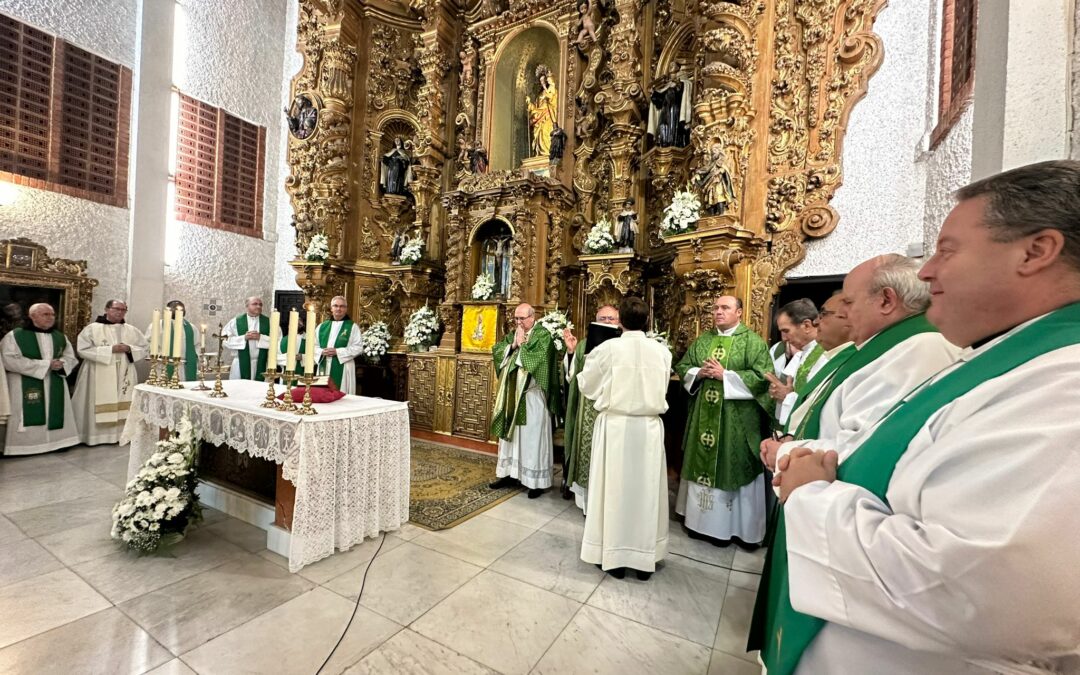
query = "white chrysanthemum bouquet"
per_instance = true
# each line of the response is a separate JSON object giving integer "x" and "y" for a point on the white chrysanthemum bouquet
{"x": 555, "y": 322}
{"x": 160, "y": 503}
{"x": 661, "y": 338}
{"x": 600, "y": 238}
{"x": 682, "y": 214}
{"x": 484, "y": 288}
{"x": 422, "y": 327}
{"x": 375, "y": 341}
{"x": 412, "y": 251}
{"x": 318, "y": 249}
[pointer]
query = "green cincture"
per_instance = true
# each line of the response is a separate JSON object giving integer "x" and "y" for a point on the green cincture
{"x": 337, "y": 368}
{"x": 190, "y": 355}
{"x": 781, "y": 633}
{"x": 33, "y": 389}
{"x": 245, "y": 354}
{"x": 539, "y": 360}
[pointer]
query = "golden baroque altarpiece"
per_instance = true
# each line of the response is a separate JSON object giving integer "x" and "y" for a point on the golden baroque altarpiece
{"x": 425, "y": 130}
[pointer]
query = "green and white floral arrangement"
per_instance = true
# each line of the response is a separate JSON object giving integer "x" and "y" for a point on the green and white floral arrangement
{"x": 412, "y": 251}
{"x": 484, "y": 288}
{"x": 555, "y": 322}
{"x": 682, "y": 214}
{"x": 660, "y": 338}
{"x": 600, "y": 238}
{"x": 422, "y": 328}
{"x": 375, "y": 341}
{"x": 318, "y": 249}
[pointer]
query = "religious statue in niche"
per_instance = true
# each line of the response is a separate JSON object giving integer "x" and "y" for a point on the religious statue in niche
{"x": 396, "y": 246}
{"x": 396, "y": 172}
{"x": 302, "y": 116}
{"x": 671, "y": 107}
{"x": 464, "y": 153}
{"x": 478, "y": 158}
{"x": 626, "y": 227}
{"x": 586, "y": 25}
{"x": 558, "y": 144}
{"x": 495, "y": 261}
{"x": 542, "y": 112}
{"x": 714, "y": 180}
{"x": 468, "y": 66}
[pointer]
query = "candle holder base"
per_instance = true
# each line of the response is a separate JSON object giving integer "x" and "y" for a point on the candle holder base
{"x": 306, "y": 408}
{"x": 174, "y": 381}
{"x": 287, "y": 404}
{"x": 271, "y": 399}
{"x": 152, "y": 377}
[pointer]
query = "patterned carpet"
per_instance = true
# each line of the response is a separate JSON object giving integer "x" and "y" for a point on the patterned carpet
{"x": 450, "y": 485}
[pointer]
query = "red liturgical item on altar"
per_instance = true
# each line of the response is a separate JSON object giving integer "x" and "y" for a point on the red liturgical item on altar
{"x": 318, "y": 394}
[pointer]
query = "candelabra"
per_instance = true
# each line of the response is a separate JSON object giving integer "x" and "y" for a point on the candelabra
{"x": 201, "y": 364}
{"x": 287, "y": 404}
{"x": 306, "y": 408}
{"x": 219, "y": 391}
{"x": 174, "y": 381}
{"x": 152, "y": 379}
{"x": 271, "y": 398}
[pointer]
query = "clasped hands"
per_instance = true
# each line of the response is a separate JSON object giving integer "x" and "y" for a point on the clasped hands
{"x": 778, "y": 389}
{"x": 711, "y": 369}
{"x": 252, "y": 335}
{"x": 519, "y": 336}
{"x": 802, "y": 466}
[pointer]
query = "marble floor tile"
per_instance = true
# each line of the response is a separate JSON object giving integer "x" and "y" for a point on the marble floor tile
{"x": 15, "y": 466}
{"x": 25, "y": 559}
{"x": 295, "y": 637}
{"x": 480, "y": 541}
{"x": 245, "y": 535}
{"x": 679, "y": 542}
{"x": 65, "y": 515}
{"x": 749, "y": 561}
{"x": 344, "y": 561}
{"x": 113, "y": 471}
{"x": 174, "y": 667}
{"x": 747, "y": 580}
{"x": 409, "y": 653}
{"x": 35, "y": 476}
{"x": 735, "y": 623}
{"x": 408, "y": 532}
{"x": 9, "y": 532}
{"x": 607, "y": 644}
{"x": 394, "y": 587}
{"x": 89, "y": 456}
{"x": 29, "y": 496}
{"x": 501, "y": 622}
{"x": 125, "y": 575}
{"x": 726, "y": 664}
{"x": 105, "y": 642}
{"x": 552, "y": 563}
{"x": 81, "y": 544}
{"x": 679, "y": 599}
{"x": 211, "y": 515}
{"x": 186, "y": 614}
{"x": 531, "y": 515}
{"x": 570, "y": 524}
{"x": 44, "y": 602}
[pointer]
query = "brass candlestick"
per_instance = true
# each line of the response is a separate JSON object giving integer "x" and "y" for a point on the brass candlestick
{"x": 271, "y": 398}
{"x": 152, "y": 378}
{"x": 174, "y": 381}
{"x": 287, "y": 403}
{"x": 219, "y": 391}
{"x": 201, "y": 366}
{"x": 306, "y": 408}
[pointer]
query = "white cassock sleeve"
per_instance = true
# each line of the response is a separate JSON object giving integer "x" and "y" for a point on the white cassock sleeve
{"x": 591, "y": 378}
{"x": 352, "y": 349}
{"x": 88, "y": 352}
{"x": 135, "y": 339}
{"x": 977, "y": 554}
{"x": 734, "y": 388}
{"x": 69, "y": 358}
{"x": 15, "y": 362}
{"x": 232, "y": 340}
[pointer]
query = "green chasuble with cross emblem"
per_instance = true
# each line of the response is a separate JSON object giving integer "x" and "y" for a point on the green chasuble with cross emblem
{"x": 720, "y": 445}
{"x": 539, "y": 362}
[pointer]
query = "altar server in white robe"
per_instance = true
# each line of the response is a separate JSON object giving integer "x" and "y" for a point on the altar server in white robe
{"x": 338, "y": 340}
{"x": 897, "y": 350}
{"x": 626, "y": 522}
{"x": 109, "y": 349}
{"x": 40, "y": 356}
{"x": 962, "y": 557}
{"x": 248, "y": 335}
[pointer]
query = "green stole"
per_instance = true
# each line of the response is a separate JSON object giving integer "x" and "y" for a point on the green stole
{"x": 190, "y": 355}
{"x": 781, "y": 633}
{"x": 807, "y": 365}
{"x": 539, "y": 359}
{"x": 720, "y": 443}
{"x": 807, "y": 390}
{"x": 871, "y": 351}
{"x": 580, "y": 420}
{"x": 33, "y": 389}
{"x": 245, "y": 354}
{"x": 337, "y": 368}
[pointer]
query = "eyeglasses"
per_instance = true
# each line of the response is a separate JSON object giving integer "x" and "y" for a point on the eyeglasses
{"x": 520, "y": 319}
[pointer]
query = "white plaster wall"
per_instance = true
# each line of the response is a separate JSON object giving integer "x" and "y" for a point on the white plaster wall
{"x": 284, "y": 277}
{"x": 881, "y": 200}
{"x": 69, "y": 227}
{"x": 948, "y": 168}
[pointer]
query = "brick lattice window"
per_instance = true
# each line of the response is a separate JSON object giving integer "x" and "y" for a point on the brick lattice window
{"x": 219, "y": 168}
{"x": 64, "y": 116}
{"x": 957, "y": 63}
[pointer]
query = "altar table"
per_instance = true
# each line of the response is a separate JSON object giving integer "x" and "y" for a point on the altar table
{"x": 349, "y": 463}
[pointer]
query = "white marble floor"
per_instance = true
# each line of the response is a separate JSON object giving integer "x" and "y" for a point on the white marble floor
{"x": 504, "y": 592}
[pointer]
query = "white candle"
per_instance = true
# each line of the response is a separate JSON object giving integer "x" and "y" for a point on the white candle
{"x": 178, "y": 334}
{"x": 166, "y": 333}
{"x": 155, "y": 332}
{"x": 309, "y": 344}
{"x": 290, "y": 350}
{"x": 202, "y": 338}
{"x": 275, "y": 339}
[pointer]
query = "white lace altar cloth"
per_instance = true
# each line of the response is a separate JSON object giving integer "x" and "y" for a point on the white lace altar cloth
{"x": 349, "y": 463}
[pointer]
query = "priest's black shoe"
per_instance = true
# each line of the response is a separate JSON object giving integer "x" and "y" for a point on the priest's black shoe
{"x": 618, "y": 572}
{"x": 535, "y": 492}
{"x": 567, "y": 493}
{"x": 643, "y": 576}
{"x": 504, "y": 482}
{"x": 744, "y": 546}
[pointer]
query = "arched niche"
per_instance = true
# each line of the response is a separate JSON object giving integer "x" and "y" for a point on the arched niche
{"x": 515, "y": 78}
{"x": 492, "y": 252}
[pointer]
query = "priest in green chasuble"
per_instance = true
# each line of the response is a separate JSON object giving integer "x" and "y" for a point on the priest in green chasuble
{"x": 722, "y": 491}
{"x": 338, "y": 342}
{"x": 797, "y": 322}
{"x": 189, "y": 354}
{"x": 37, "y": 359}
{"x": 580, "y": 413}
{"x": 248, "y": 335}
{"x": 527, "y": 364}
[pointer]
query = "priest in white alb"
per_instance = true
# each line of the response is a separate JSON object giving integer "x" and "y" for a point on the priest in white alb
{"x": 338, "y": 342}
{"x": 109, "y": 349}
{"x": 38, "y": 359}
{"x": 797, "y": 322}
{"x": 626, "y": 521}
{"x": 946, "y": 542}
{"x": 248, "y": 335}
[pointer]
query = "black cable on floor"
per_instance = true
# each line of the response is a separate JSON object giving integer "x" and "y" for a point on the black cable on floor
{"x": 355, "y": 607}
{"x": 723, "y": 567}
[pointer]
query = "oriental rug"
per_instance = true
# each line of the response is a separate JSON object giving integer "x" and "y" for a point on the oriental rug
{"x": 450, "y": 485}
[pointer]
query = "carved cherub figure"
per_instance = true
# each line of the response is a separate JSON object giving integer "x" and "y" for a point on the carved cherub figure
{"x": 586, "y": 25}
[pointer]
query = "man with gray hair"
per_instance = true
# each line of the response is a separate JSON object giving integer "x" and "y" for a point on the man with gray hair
{"x": 338, "y": 340}
{"x": 248, "y": 335}
{"x": 897, "y": 350}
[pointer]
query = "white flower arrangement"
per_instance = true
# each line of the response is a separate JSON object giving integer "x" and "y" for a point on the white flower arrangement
{"x": 318, "y": 249}
{"x": 421, "y": 329}
{"x": 555, "y": 322}
{"x": 484, "y": 288}
{"x": 600, "y": 238}
{"x": 412, "y": 251}
{"x": 682, "y": 214}
{"x": 660, "y": 338}
{"x": 375, "y": 341}
{"x": 160, "y": 503}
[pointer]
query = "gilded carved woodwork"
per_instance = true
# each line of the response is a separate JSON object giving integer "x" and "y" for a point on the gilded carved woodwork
{"x": 26, "y": 263}
{"x": 474, "y": 386}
